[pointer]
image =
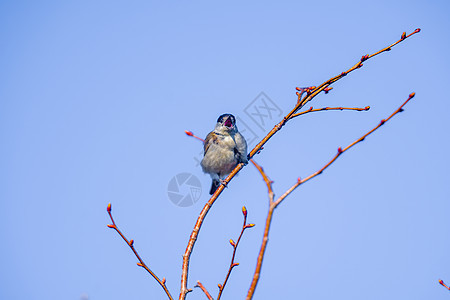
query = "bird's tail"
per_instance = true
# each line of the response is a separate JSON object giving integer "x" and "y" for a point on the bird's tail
{"x": 215, "y": 184}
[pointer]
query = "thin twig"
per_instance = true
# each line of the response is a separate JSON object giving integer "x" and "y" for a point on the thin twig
{"x": 310, "y": 94}
{"x": 202, "y": 287}
{"x": 311, "y": 109}
{"x": 162, "y": 282}
{"x": 443, "y": 284}
{"x": 235, "y": 246}
{"x": 274, "y": 204}
{"x": 324, "y": 86}
{"x": 266, "y": 180}
{"x": 190, "y": 133}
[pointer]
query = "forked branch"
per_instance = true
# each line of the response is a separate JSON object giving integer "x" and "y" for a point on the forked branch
{"x": 274, "y": 204}
{"x": 235, "y": 246}
{"x": 309, "y": 94}
{"x": 130, "y": 243}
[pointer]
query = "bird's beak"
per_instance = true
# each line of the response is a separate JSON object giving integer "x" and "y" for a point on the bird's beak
{"x": 228, "y": 123}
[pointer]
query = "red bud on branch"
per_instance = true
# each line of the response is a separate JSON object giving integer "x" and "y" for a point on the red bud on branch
{"x": 139, "y": 264}
{"x": 244, "y": 211}
{"x": 249, "y": 225}
{"x": 163, "y": 280}
{"x": 111, "y": 226}
{"x": 232, "y": 243}
{"x": 189, "y": 133}
{"x": 108, "y": 208}
{"x": 403, "y": 36}
{"x": 234, "y": 265}
{"x": 412, "y": 95}
{"x": 131, "y": 242}
{"x": 417, "y": 30}
{"x": 340, "y": 150}
{"x": 364, "y": 57}
{"x": 367, "y": 108}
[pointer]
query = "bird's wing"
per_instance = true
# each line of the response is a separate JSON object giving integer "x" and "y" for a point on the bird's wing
{"x": 211, "y": 138}
{"x": 241, "y": 147}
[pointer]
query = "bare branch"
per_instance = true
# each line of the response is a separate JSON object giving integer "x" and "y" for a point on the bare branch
{"x": 235, "y": 246}
{"x": 266, "y": 180}
{"x": 274, "y": 204}
{"x": 340, "y": 151}
{"x": 311, "y": 93}
{"x": 444, "y": 285}
{"x": 162, "y": 282}
{"x": 311, "y": 109}
{"x": 202, "y": 287}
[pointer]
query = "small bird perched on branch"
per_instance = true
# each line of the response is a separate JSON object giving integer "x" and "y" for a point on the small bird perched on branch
{"x": 224, "y": 149}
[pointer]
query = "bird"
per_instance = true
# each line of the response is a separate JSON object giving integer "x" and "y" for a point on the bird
{"x": 224, "y": 148}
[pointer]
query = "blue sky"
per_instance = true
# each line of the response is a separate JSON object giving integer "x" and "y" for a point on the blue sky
{"x": 95, "y": 98}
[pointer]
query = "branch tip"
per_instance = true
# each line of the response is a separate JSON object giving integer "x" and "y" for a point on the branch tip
{"x": 244, "y": 211}
{"x": 189, "y": 133}
{"x": 111, "y": 226}
{"x": 108, "y": 208}
{"x": 444, "y": 285}
{"x": 412, "y": 95}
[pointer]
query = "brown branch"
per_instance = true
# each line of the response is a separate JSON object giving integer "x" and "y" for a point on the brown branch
{"x": 311, "y": 109}
{"x": 262, "y": 250}
{"x": 444, "y": 285}
{"x": 310, "y": 94}
{"x": 266, "y": 180}
{"x": 235, "y": 245}
{"x": 202, "y": 287}
{"x": 274, "y": 204}
{"x": 162, "y": 282}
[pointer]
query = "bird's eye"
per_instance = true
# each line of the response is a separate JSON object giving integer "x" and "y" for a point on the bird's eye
{"x": 220, "y": 119}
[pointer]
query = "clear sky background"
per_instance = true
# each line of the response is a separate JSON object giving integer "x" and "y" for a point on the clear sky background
{"x": 94, "y": 100}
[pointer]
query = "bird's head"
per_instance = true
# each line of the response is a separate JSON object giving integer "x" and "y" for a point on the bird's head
{"x": 226, "y": 122}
